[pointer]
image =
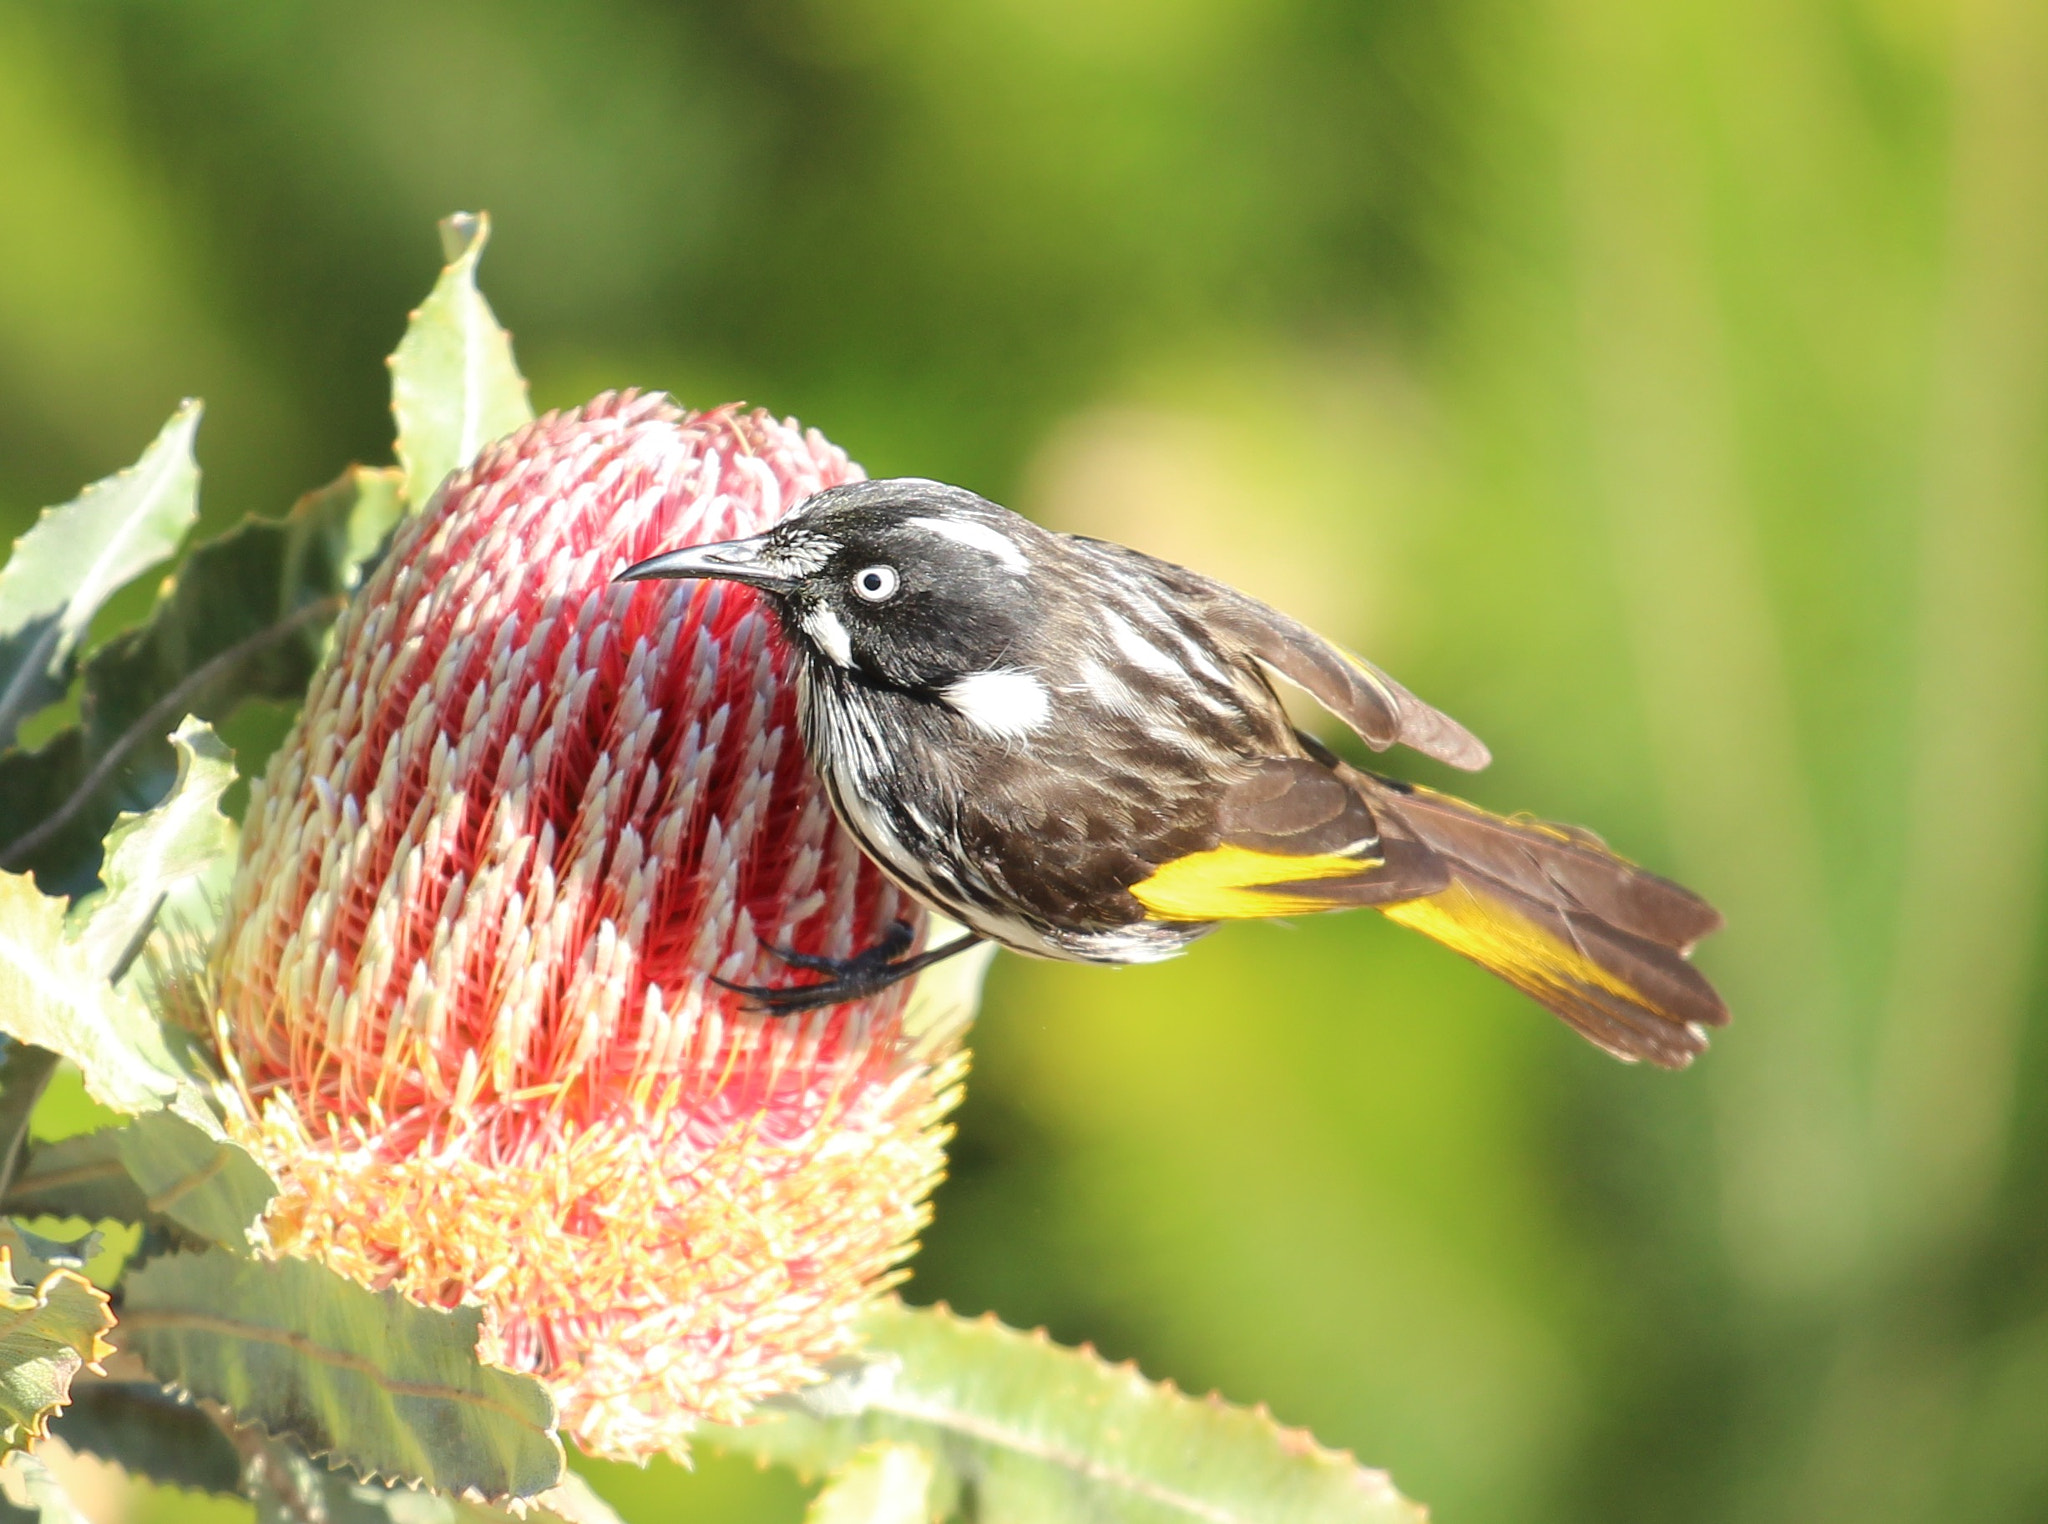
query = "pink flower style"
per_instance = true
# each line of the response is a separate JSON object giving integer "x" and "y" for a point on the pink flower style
{"x": 465, "y": 989}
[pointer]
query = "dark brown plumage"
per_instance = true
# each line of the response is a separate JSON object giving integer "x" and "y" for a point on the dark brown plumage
{"x": 1077, "y": 750}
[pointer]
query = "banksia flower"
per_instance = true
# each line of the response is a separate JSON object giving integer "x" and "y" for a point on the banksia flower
{"x": 465, "y": 988}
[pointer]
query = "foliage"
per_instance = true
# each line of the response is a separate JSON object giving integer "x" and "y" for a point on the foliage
{"x": 53, "y": 1322}
{"x": 77, "y": 555}
{"x": 454, "y": 386}
{"x": 390, "y": 1388}
{"x": 319, "y": 1400}
{"x": 1029, "y": 1430}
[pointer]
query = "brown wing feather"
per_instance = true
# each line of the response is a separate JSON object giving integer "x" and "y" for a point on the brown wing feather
{"x": 1379, "y": 709}
{"x": 1297, "y": 807}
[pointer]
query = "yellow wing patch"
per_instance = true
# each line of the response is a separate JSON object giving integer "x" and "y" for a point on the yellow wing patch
{"x": 1505, "y": 943}
{"x": 1228, "y": 884}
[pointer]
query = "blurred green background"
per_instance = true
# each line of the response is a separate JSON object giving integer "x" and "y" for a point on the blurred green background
{"x": 1659, "y": 385}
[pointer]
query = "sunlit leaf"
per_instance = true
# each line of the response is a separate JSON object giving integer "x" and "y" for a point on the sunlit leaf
{"x": 246, "y": 617}
{"x": 1037, "y": 1432}
{"x": 53, "y": 1323}
{"x": 149, "y": 1433}
{"x": 454, "y": 385}
{"x": 202, "y": 1182}
{"x": 378, "y": 1383}
{"x": 882, "y": 1484}
{"x": 65, "y": 567}
{"x": 149, "y": 855}
{"x": 53, "y": 997}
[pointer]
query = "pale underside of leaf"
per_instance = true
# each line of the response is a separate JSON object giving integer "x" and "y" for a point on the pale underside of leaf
{"x": 53, "y": 1324}
{"x": 78, "y": 554}
{"x": 151, "y": 855}
{"x": 454, "y": 384}
{"x": 52, "y": 997}
{"x": 1037, "y": 1432}
{"x": 389, "y": 1388}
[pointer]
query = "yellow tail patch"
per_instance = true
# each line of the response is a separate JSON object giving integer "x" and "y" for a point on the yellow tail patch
{"x": 1503, "y": 942}
{"x": 1229, "y": 884}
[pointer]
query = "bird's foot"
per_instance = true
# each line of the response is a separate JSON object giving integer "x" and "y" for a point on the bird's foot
{"x": 866, "y": 973}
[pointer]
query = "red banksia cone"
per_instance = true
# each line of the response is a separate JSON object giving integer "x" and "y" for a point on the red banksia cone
{"x": 464, "y": 985}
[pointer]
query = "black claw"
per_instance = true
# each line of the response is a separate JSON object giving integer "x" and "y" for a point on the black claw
{"x": 868, "y": 972}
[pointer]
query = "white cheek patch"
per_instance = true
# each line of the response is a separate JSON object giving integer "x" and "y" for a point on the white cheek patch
{"x": 828, "y": 634}
{"x": 1006, "y": 704}
{"x": 985, "y": 538}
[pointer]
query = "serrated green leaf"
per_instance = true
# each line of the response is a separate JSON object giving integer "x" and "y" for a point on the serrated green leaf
{"x": 203, "y": 1183}
{"x": 64, "y": 568}
{"x": 53, "y": 1323}
{"x": 52, "y": 997}
{"x": 1037, "y": 1432}
{"x": 80, "y": 1176}
{"x": 454, "y": 384}
{"x": 293, "y": 1490}
{"x": 30, "y": 1494}
{"x": 150, "y": 855}
{"x": 882, "y": 1484}
{"x": 245, "y": 617}
{"x": 378, "y": 1383}
{"x": 149, "y": 1433}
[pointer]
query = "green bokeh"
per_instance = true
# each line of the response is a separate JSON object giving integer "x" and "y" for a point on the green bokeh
{"x": 1660, "y": 386}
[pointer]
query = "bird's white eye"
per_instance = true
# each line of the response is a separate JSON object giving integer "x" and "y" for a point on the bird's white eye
{"x": 875, "y": 583}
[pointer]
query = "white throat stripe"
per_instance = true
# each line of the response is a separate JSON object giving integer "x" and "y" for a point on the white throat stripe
{"x": 982, "y": 537}
{"x": 1006, "y": 704}
{"x": 823, "y": 626}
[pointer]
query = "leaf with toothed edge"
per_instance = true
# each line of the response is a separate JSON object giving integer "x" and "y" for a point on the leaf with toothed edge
{"x": 288, "y": 1488}
{"x": 246, "y": 616}
{"x": 79, "y": 1176}
{"x": 56, "y": 969}
{"x": 369, "y": 1380}
{"x": 53, "y": 998}
{"x": 454, "y": 384}
{"x": 151, "y": 854}
{"x": 205, "y": 1184}
{"x": 65, "y": 568}
{"x": 1037, "y": 1432}
{"x": 53, "y": 1324}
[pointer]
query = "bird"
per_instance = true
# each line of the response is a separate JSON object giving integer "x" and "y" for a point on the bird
{"x": 1079, "y": 752}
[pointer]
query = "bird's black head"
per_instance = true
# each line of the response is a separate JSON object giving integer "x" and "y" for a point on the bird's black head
{"x": 907, "y": 583}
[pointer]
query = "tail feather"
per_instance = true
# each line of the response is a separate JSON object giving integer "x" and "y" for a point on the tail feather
{"x": 1587, "y": 934}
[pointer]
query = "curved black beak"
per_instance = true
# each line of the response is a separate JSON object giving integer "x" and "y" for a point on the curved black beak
{"x": 748, "y": 561}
